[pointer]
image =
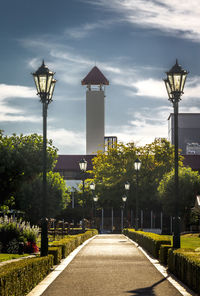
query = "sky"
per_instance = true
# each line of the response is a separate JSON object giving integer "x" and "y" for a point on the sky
{"x": 133, "y": 42}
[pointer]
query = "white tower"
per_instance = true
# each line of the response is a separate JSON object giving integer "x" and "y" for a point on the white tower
{"x": 95, "y": 109}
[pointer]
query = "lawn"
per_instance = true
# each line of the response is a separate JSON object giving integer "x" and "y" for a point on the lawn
{"x": 5, "y": 257}
{"x": 191, "y": 241}
{"x": 188, "y": 241}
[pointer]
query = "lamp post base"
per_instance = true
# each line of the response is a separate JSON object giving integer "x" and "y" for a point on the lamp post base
{"x": 176, "y": 235}
{"x": 44, "y": 237}
{"x": 176, "y": 242}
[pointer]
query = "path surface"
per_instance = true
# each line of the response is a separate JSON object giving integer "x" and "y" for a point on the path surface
{"x": 110, "y": 265}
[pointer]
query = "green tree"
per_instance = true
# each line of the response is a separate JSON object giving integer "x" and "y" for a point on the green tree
{"x": 112, "y": 169}
{"x": 189, "y": 187}
{"x": 30, "y": 197}
{"x": 21, "y": 161}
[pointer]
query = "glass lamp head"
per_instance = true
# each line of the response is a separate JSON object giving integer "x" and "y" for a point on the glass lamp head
{"x": 95, "y": 198}
{"x": 124, "y": 198}
{"x": 175, "y": 81}
{"x": 92, "y": 186}
{"x": 127, "y": 185}
{"x": 137, "y": 164}
{"x": 83, "y": 164}
{"x": 43, "y": 78}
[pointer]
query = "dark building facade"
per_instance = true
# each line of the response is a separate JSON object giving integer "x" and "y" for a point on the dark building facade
{"x": 188, "y": 132}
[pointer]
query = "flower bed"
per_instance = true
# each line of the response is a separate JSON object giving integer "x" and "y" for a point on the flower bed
{"x": 17, "y": 236}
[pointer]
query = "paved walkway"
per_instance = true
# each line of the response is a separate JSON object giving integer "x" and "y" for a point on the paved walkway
{"x": 110, "y": 265}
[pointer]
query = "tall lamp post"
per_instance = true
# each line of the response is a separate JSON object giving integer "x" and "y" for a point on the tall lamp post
{"x": 83, "y": 168}
{"x": 124, "y": 198}
{"x": 92, "y": 187}
{"x": 95, "y": 199}
{"x": 137, "y": 166}
{"x": 45, "y": 84}
{"x": 174, "y": 83}
{"x": 127, "y": 188}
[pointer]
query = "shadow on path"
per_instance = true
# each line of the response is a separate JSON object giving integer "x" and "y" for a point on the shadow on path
{"x": 148, "y": 291}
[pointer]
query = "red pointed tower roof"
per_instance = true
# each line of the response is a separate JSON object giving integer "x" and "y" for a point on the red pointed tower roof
{"x": 95, "y": 77}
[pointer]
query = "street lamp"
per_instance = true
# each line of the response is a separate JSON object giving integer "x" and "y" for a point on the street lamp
{"x": 83, "y": 165}
{"x": 83, "y": 168}
{"x": 45, "y": 84}
{"x": 174, "y": 83}
{"x": 92, "y": 186}
{"x": 137, "y": 166}
{"x": 95, "y": 199}
{"x": 127, "y": 186}
{"x": 124, "y": 198}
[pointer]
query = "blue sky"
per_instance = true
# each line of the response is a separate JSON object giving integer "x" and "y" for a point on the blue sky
{"x": 133, "y": 42}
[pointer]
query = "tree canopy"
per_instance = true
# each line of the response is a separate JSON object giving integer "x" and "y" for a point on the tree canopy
{"x": 112, "y": 169}
{"x": 20, "y": 161}
{"x": 21, "y": 167}
{"x": 29, "y": 197}
{"x": 189, "y": 187}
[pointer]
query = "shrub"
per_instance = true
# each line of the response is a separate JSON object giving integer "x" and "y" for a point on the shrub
{"x": 19, "y": 278}
{"x": 31, "y": 247}
{"x": 13, "y": 246}
{"x": 13, "y": 232}
{"x": 185, "y": 264}
{"x": 68, "y": 244}
{"x": 57, "y": 254}
{"x": 149, "y": 241}
{"x": 163, "y": 255}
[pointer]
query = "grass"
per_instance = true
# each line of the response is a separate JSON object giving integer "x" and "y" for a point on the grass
{"x": 190, "y": 241}
{"x": 6, "y": 257}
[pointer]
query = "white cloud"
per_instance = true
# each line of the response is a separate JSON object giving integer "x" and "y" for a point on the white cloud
{"x": 68, "y": 142}
{"x": 181, "y": 18}
{"x": 156, "y": 88}
{"x": 18, "y": 118}
{"x": 145, "y": 126}
{"x": 86, "y": 29}
{"x": 16, "y": 91}
{"x": 15, "y": 114}
{"x": 73, "y": 67}
{"x": 150, "y": 87}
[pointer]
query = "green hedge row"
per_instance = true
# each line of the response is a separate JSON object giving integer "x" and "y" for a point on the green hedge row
{"x": 20, "y": 277}
{"x": 185, "y": 264}
{"x": 62, "y": 248}
{"x": 149, "y": 241}
{"x": 163, "y": 255}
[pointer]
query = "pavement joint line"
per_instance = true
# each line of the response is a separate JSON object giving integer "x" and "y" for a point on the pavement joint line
{"x": 182, "y": 288}
{"x": 43, "y": 285}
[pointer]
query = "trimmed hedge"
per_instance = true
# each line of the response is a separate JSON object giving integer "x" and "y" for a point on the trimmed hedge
{"x": 163, "y": 255}
{"x": 62, "y": 248}
{"x": 19, "y": 278}
{"x": 185, "y": 264}
{"x": 149, "y": 241}
{"x": 57, "y": 254}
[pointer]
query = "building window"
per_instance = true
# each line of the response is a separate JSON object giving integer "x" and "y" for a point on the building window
{"x": 110, "y": 142}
